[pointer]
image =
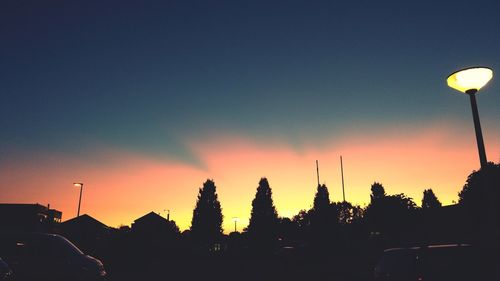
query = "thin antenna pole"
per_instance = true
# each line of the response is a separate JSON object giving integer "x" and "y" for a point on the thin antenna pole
{"x": 342, "y": 172}
{"x": 317, "y": 170}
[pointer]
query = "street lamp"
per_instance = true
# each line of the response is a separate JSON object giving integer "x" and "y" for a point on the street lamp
{"x": 470, "y": 81}
{"x": 80, "y": 185}
{"x": 236, "y": 219}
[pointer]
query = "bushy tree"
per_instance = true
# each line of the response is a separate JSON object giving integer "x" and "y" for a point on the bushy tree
{"x": 264, "y": 218}
{"x": 321, "y": 199}
{"x": 302, "y": 219}
{"x": 390, "y": 215}
{"x": 346, "y": 212}
{"x": 480, "y": 186}
{"x": 429, "y": 200}
{"x": 303, "y": 222}
{"x": 288, "y": 230}
{"x": 378, "y": 191}
{"x": 479, "y": 198}
{"x": 206, "y": 225}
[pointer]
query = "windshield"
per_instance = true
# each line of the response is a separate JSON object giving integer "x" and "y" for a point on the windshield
{"x": 66, "y": 245}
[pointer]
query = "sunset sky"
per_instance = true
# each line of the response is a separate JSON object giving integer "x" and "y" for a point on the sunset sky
{"x": 142, "y": 102}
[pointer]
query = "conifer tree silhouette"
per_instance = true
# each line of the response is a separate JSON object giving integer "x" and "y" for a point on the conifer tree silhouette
{"x": 206, "y": 225}
{"x": 324, "y": 220}
{"x": 264, "y": 218}
{"x": 322, "y": 214}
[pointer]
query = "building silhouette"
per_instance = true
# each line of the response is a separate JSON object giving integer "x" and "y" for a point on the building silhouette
{"x": 29, "y": 217}
{"x": 88, "y": 233}
{"x": 85, "y": 226}
{"x": 153, "y": 223}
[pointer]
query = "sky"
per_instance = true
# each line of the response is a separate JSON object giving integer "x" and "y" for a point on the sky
{"x": 142, "y": 101}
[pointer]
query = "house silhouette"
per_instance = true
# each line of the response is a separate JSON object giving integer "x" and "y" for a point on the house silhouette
{"x": 153, "y": 223}
{"x": 86, "y": 225}
{"x": 86, "y": 231}
{"x": 153, "y": 235}
{"x": 29, "y": 217}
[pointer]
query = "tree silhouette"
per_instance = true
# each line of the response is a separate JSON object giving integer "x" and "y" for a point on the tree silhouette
{"x": 264, "y": 218}
{"x": 321, "y": 211}
{"x": 480, "y": 186}
{"x": 321, "y": 199}
{"x": 302, "y": 219}
{"x": 479, "y": 198}
{"x": 391, "y": 216}
{"x": 206, "y": 226}
{"x": 429, "y": 200}
{"x": 303, "y": 222}
{"x": 324, "y": 221}
{"x": 346, "y": 212}
{"x": 378, "y": 191}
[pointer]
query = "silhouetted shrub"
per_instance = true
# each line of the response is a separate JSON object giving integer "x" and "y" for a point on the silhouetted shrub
{"x": 390, "y": 217}
{"x": 429, "y": 200}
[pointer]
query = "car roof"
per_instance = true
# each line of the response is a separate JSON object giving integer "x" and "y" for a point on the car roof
{"x": 426, "y": 247}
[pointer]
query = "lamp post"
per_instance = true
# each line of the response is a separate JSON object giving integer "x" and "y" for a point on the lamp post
{"x": 80, "y": 185}
{"x": 236, "y": 219}
{"x": 470, "y": 81}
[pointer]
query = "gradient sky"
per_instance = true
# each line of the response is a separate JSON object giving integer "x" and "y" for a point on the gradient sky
{"x": 144, "y": 101}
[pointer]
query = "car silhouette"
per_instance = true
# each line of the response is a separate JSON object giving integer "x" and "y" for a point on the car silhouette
{"x": 5, "y": 271}
{"x": 43, "y": 256}
{"x": 428, "y": 263}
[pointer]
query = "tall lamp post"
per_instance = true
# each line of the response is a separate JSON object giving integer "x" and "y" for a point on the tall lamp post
{"x": 470, "y": 81}
{"x": 236, "y": 219}
{"x": 80, "y": 185}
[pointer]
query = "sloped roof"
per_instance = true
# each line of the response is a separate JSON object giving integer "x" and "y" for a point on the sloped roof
{"x": 151, "y": 216}
{"x": 84, "y": 220}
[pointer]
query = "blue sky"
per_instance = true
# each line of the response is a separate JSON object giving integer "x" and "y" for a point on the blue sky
{"x": 163, "y": 94}
{"x": 147, "y": 75}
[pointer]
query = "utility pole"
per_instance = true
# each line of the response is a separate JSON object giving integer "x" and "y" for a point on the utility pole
{"x": 235, "y": 219}
{"x": 317, "y": 171}
{"x": 342, "y": 173}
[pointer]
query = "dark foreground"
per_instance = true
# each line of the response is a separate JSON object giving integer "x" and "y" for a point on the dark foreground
{"x": 239, "y": 268}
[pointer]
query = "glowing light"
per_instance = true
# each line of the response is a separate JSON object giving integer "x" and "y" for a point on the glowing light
{"x": 468, "y": 79}
{"x": 77, "y": 184}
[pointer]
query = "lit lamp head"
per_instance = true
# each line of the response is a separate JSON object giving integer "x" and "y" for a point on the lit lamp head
{"x": 77, "y": 184}
{"x": 470, "y": 80}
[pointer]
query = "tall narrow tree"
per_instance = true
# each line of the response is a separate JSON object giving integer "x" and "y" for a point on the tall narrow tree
{"x": 323, "y": 217}
{"x": 264, "y": 218}
{"x": 206, "y": 226}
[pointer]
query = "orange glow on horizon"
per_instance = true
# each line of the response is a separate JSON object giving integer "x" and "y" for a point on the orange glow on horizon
{"x": 126, "y": 185}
